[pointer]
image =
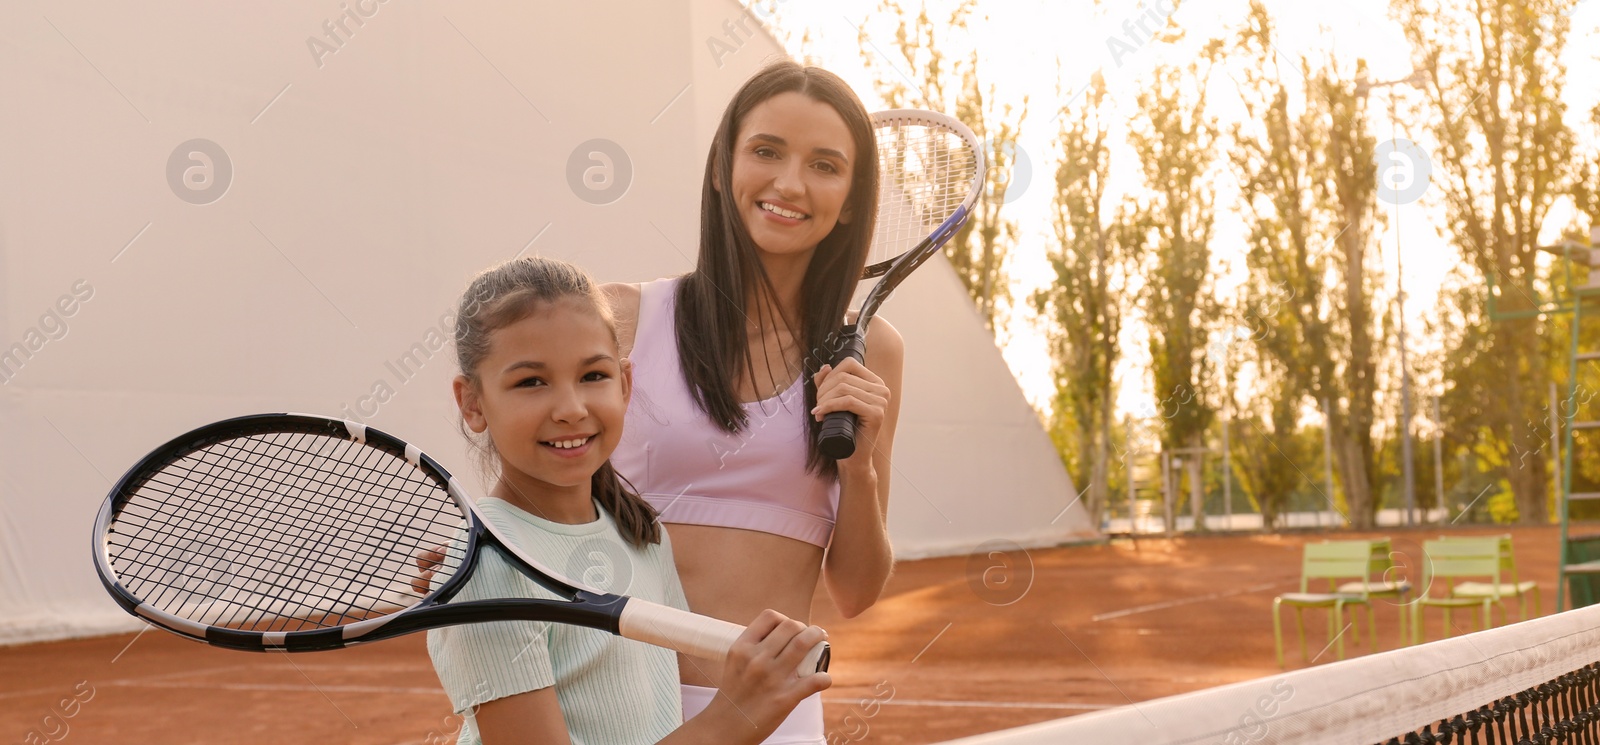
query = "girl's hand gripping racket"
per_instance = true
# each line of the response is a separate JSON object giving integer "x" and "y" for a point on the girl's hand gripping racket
{"x": 298, "y": 533}
{"x": 931, "y": 170}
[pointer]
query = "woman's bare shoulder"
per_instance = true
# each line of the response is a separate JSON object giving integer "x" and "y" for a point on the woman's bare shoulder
{"x": 624, "y": 300}
{"x": 885, "y": 345}
{"x": 881, "y": 334}
{"x": 623, "y": 296}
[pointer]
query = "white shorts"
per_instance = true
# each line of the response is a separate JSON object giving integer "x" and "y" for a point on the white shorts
{"x": 803, "y": 727}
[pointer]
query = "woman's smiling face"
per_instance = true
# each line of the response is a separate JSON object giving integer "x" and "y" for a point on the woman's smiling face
{"x": 792, "y": 165}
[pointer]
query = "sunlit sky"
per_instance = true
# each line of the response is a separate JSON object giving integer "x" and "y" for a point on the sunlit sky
{"x": 1036, "y": 48}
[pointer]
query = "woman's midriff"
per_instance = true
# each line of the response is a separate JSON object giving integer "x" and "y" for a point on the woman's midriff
{"x": 735, "y": 574}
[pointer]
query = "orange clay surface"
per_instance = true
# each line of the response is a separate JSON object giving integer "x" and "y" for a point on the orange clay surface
{"x": 939, "y": 657}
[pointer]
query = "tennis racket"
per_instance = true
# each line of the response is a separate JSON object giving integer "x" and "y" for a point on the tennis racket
{"x": 299, "y": 533}
{"x": 930, "y": 172}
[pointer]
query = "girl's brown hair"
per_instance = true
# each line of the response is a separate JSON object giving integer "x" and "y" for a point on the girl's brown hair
{"x": 713, "y": 346}
{"x": 510, "y": 292}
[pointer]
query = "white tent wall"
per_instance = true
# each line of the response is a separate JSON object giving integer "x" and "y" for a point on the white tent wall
{"x": 368, "y": 184}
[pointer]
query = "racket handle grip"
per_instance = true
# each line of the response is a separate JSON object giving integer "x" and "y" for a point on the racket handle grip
{"x": 837, "y": 439}
{"x": 698, "y": 636}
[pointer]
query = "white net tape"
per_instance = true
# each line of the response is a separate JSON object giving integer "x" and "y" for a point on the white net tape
{"x": 1364, "y": 700}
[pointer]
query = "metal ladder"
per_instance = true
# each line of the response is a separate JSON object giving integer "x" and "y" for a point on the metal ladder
{"x": 1580, "y": 555}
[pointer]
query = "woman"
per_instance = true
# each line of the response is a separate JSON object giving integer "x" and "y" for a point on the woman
{"x": 732, "y": 375}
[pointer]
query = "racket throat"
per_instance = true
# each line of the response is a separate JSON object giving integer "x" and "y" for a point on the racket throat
{"x": 593, "y": 610}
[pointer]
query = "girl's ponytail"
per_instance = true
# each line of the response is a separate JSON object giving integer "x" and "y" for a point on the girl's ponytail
{"x": 635, "y": 518}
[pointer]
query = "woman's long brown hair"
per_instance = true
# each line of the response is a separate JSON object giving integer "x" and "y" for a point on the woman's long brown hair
{"x": 713, "y": 346}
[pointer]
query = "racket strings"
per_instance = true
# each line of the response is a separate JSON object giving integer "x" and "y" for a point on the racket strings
{"x": 317, "y": 537}
{"x": 926, "y": 174}
{"x": 323, "y": 545}
{"x": 282, "y": 532}
{"x": 313, "y": 544}
{"x": 258, "y": 546}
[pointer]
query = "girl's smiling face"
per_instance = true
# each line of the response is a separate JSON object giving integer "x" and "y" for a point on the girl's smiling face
{"x": 792, "y": 164}
{"x": 551, "y": 392}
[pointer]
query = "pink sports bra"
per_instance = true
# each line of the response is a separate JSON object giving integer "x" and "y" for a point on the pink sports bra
{"x": 693, "y": 472}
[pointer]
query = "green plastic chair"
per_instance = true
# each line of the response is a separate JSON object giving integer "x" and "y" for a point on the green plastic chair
{"x": 1399, "y": 588}
{"x": 1447, "y": 560}
{"x": 1498, "y": 590}
{"x": 1331, "y": 561}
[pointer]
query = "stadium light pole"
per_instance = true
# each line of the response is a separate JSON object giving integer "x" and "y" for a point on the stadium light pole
{"x": 1327, "y": 456}
{"x": 1227, "y": 452}
{"x": 1408, "y": 468}
{"x": 1438, "y": 456}
{"x": 1363, "y": 88}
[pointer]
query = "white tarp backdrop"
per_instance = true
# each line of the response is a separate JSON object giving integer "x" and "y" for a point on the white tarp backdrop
{"x": 358, "y": 162}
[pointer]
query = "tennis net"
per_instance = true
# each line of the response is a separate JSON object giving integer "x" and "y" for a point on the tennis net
{"x": 1533, "y": 682}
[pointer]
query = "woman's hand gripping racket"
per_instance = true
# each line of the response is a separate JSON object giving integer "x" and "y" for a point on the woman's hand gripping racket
{"x": 930, "y": 172}
{"x": 297, "y": 533}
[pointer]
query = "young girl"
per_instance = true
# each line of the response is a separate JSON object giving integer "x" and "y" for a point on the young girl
{"x": 544, "y": 388}
{"x": 734, "y": 376}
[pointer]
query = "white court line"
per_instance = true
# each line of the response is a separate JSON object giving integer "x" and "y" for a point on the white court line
{"x": 191, "y": 673}
{"x": 979, "y": 704}
{"x": 336, "y": 668}
{"x": 1188, "y": 601}
{"x": 130, "y": 681}
{"x": 439, "y": 691}
{"x": 275, "y": 687}
{"x": 53, "y": 690}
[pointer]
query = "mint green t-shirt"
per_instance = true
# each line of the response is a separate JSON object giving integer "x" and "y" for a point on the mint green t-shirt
{"x": 612, "y": 691}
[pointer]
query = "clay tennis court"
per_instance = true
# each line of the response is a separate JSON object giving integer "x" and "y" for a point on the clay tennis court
{"x": 939, "y": 657}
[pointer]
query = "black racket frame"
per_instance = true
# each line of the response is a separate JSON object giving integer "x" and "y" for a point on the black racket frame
{"x": 579, "y": 606}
